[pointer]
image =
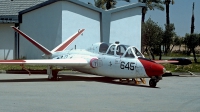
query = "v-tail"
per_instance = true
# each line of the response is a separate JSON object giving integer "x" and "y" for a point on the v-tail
{"x": 60, "y": 47}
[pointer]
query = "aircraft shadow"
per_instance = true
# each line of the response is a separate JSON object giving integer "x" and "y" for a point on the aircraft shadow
{"x": 77, "y": 78}
{"x": 98, "y": 79}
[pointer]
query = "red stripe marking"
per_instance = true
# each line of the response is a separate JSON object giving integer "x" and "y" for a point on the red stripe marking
{"x": 61, "y": 48}
{"x": 32, "y": 41}
{"x": 152, "y": 68}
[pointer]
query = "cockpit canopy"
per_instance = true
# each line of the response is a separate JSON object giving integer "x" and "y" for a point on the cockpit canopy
{"x": 120, "y": 50}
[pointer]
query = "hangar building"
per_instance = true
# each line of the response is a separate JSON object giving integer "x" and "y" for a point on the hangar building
{"x": 9, "y": 10}
{"x": 53, "y": 21}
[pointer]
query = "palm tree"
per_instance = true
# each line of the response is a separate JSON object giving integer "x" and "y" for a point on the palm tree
{"x": 167, "y": 2}
{"x": 168, "y": 31}
{"x": 151, "y": 4}
{"x": 192, "y": 20}
{"x": 109, "y": 4}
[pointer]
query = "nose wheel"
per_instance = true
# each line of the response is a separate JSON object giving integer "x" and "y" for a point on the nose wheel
{"x": 152, "y": 82}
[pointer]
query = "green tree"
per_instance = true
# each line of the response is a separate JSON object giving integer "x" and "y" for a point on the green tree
{"x": 105, "y": 4}
{"x": 169, "y": 33}
{"x": 192, "y": 41}
{"x": 151, "y": 4}
{"x": 179, "y": 42}
{"x": 153, "y": 34}
{"x": 176, "y": 42}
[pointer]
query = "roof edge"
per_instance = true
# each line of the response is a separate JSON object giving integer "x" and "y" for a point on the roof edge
{"x": 85, "y": 5}
{"x": 53, "y": 1}
{"x": 9, "y": 19}
{"x": 125, "y": 7}
{"x": 92, "y": 7}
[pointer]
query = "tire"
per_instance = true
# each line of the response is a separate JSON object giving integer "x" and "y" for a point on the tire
{"x": 152, "y": 83}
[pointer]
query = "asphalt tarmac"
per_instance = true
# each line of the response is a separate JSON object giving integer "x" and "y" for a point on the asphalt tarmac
{"x": 89, "y": 93}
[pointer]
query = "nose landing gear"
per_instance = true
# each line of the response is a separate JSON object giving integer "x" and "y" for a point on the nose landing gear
{"x": 154, "y": 80}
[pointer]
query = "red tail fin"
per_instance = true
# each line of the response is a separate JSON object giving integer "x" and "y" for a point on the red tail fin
{"x": 66, "y": 43}
{"x": 42, "y": 48}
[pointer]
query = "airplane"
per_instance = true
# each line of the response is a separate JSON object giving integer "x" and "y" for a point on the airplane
{"x": 110, "y": 60}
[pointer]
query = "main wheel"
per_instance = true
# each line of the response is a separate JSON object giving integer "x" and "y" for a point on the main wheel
{"x": 152, "y": 82}
{"x": 54, "y": 76}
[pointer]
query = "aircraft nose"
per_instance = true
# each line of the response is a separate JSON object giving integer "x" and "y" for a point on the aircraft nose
{"x": 152, "y": 68}
{"x": 157, "y": 70}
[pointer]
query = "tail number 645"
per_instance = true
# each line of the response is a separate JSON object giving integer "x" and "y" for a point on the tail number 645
{"x": 128, "y": 65}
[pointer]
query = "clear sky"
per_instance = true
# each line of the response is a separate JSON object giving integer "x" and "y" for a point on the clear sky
{"x": 180, "y": 14}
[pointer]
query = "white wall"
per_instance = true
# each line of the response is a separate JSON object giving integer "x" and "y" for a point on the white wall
{"x": 6, "y": 41}
{"x": 126, "y": 27}
{"x": 76, "y": 17}
{"x": 54, "y": 23}
{"x": 45, "y": 26}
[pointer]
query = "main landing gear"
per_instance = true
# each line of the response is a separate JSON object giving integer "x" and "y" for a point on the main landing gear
{"x": 52, "y": 75}
{"x": 135, "y": 81}
{"x": 154, "y": 80}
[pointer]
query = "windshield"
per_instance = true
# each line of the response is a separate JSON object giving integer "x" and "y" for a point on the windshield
{"x": 121, "y": 49}
{"x": 137, "y": 52}
{"x": 129, "y": 54}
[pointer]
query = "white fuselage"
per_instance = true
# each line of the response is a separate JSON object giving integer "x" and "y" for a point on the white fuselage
{"x": 106, "y": 65}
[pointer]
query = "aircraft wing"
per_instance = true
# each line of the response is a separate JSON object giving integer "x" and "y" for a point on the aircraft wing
{"x": 78, "y": 62}
{"x": 165, "y": 61}
{"x": 176, "y": 61}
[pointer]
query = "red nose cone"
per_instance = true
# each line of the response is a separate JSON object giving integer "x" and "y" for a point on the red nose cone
{"x": 152, "y": 68}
